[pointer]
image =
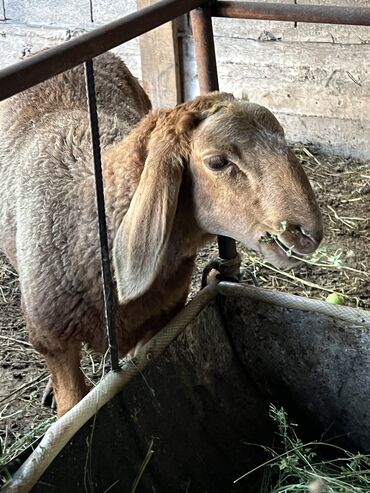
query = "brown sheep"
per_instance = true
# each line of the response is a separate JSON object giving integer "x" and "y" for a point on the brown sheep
{"x": 173, "y": 179}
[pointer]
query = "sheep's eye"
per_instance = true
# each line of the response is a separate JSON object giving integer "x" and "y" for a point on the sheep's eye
{"x": 218, "y": 163}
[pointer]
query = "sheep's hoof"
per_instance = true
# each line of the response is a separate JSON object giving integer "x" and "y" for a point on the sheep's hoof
{"x": 48, "y": 399}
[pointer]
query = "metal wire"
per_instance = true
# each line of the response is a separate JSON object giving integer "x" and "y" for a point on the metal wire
{"x": 108, "y": 284}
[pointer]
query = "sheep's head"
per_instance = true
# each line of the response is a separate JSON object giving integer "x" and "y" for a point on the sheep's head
{"x": 244, "y": 183}
{"x": 247, "y": 183}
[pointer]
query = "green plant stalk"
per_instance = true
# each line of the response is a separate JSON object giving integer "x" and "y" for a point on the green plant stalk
{"x": 290, "y": 253}
{"x": 297, "y": 279}
{"x": 143, "y": 466}
{"x": 299, "y": 465}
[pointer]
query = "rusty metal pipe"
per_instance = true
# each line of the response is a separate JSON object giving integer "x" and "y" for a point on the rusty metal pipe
{"x": 38, "y": 68}
{"x": 201, "y": 23}
{"x": 321, "y": 14}
{"x": 205, "y": 55}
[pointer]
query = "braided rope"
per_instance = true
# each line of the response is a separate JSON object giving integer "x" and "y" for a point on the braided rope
{"x": 351, "y": 315}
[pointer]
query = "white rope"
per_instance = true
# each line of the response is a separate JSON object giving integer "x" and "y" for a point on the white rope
{"x": 61, "y": 432}
{"x": 351, "y": 315}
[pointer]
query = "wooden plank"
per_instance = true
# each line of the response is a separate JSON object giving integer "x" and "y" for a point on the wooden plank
{"x": 343, "y": 137}
{"x": 339, "y": 34}
{"x": 74, "y": 13}
{"x": 104, "y": 12}
{"x": 241, "y": 62}
{"x": 255, "y": 29}
{"x": 310, "y": 101}
{"x": 18, "y": 40}
{"x": 238, "y": 52}
{"x": 279, "y": 31}
{"x": 336, "y": 96}
{"x": 243, "y": 79}
{"x": 339, "y": 3}
{"x": 160, "y": 63}
{"x": 344, "y": 68}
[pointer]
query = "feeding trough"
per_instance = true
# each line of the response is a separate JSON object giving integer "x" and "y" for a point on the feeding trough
{"x": 194, "y": 411}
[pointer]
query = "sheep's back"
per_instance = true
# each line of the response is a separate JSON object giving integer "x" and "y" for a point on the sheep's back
{"x": 117, "y": 92}
{"x": 48, "y": 225}
{"x": 51, "y": 119}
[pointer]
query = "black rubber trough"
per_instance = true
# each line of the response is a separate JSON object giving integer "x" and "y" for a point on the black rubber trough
{"x": 190, "y": 416}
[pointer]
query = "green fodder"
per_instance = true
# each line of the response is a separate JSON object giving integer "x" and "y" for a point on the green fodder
{"x": 21, "y": 443}
{"x": 296, "y": 466}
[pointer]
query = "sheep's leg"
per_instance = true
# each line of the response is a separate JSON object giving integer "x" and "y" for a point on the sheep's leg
{"x": 68, "y": 382}
{"x": 135, "y": 349}
{"x": 48, "y": 398}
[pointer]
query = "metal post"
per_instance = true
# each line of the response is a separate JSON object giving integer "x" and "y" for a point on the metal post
{"x": 108, "y": 285}
{"x": 201, "y": 21}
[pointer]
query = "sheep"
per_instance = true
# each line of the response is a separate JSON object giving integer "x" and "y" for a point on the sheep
{"x": 173, "y": 179}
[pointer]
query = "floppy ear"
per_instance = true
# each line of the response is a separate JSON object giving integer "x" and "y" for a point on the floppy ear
{"x": 141, "y": 240}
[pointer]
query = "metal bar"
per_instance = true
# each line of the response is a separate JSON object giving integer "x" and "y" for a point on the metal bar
{"x": 320, "y": 14}
{"x": 205, "y": 54}
{"x": 108, "y": 285}
{"x": 38, "y": 68}
{"x": 226, "y": 247}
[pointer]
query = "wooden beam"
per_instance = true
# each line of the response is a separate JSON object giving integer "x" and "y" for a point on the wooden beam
{"x": 160, "y": 63}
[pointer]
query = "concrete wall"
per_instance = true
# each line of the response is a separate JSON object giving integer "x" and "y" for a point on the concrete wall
{"x": 315, "y": 78}
{"x": 26, "y": 26}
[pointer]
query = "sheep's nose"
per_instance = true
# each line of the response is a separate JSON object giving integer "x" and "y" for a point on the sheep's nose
{"x": 306, "y": 240}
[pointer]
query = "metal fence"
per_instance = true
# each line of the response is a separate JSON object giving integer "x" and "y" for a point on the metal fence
{"x": 83, "y": 49}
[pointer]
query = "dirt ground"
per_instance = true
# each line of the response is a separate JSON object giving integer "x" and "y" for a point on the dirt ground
{"x": 342, "y": 265}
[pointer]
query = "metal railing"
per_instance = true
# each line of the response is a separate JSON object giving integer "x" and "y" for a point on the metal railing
{"x": 83, "y": 49}
{"x": 317, "y": 14}
{"x": 21, "y": 76}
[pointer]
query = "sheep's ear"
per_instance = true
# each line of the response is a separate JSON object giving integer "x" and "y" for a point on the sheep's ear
{"x": 140, "y": 243}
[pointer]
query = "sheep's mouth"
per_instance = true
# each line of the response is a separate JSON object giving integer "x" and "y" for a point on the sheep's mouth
{"x": 288, "y": 251}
